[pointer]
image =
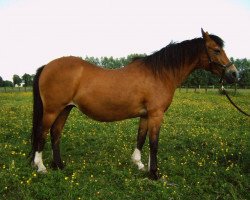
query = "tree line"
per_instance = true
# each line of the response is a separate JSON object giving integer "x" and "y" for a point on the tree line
{"x": 26, "y": 80}
{"x": 197, "y": 78}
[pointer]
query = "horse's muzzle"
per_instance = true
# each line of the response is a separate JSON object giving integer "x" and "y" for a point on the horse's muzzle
{"x": 231, "y": 76}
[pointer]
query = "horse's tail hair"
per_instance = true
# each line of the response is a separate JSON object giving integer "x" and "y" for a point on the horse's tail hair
{"x": 37, "y": 114}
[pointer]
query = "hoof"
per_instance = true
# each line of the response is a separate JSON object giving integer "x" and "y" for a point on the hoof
{"x": 141, "y": 167}
{"x": 53, "y": 165}
{"x": 56, "y": 166}
{"x": 42, "y": 171}
{"x": 153, "y": 176}
{"x": 61, "y": 166}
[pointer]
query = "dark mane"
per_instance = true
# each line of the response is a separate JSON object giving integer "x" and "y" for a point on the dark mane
{"x": 175, "y": 55}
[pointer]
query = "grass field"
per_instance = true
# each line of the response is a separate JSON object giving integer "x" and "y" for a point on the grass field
{"x": 204, "y": 153}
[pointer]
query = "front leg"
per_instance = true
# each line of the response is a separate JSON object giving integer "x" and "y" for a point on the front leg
{"x": 154, "y": 124}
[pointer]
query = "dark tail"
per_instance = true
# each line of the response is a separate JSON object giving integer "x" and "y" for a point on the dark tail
{"x": 37, "y": 113}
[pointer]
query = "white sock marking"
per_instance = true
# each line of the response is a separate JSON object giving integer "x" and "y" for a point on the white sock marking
{"x": 39, "y": 162}
{"x": 136, "y": 158}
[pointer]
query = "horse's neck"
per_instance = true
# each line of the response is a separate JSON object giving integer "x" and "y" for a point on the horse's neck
{"x": 182, "y": 74}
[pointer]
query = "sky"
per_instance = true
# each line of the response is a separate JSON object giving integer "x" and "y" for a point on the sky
{"x": 32, "y": 33}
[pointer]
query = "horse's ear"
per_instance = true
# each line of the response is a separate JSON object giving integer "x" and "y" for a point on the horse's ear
{"x": 205, "y": 35}
{"x": 202, "y": 32}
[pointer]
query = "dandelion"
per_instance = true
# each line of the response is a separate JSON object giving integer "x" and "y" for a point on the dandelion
{"x": 28, "y": 181}
{"x": 12, "y": 164}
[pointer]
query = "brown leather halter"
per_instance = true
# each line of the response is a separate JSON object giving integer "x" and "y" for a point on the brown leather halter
{"x": 224, "y": 67}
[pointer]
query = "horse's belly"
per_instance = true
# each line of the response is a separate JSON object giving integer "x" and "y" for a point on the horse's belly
{"x": 111, "y": 112}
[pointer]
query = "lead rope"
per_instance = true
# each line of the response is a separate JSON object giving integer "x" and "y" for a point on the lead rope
{"x": 223, "y": 91}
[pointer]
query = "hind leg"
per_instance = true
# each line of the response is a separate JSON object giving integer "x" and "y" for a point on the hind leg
{"x": 55, "y": 133}
{"x": 141, "y": 137}
{"x": 48, "y": 119}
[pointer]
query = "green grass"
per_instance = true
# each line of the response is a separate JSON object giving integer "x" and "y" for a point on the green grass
{"x": 204, "y": 153}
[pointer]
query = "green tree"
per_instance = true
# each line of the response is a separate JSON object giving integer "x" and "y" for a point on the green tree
{"x": 1, "y": 82}
{"x": 244, "y": 79}
{"x": 27, "y": 80}
{"x": 111, "y": 62}
{"x": 243, "y": 65}
{"x": 16, "y": 80}
{"x": 93, "y": 60}
{"x": 7, "y": 84}
{"x": 202, "y": 78}
{"x": 131, "y": 57}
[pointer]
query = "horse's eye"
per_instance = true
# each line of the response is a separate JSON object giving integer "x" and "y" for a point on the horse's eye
{"x": 216, "y": 51}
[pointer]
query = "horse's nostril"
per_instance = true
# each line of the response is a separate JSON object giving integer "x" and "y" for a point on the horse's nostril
{"x": 231, "y": 76}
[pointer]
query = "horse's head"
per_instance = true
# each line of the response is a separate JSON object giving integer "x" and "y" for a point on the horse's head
{"x": 218, "y": 62}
